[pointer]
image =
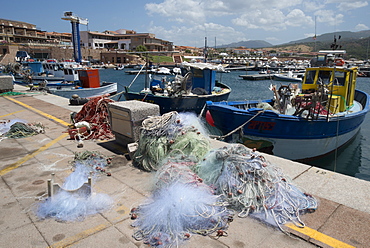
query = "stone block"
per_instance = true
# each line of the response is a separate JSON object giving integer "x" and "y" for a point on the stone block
{"x": 126, "y": 118}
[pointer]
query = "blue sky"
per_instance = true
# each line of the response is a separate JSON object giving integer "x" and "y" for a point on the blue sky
{"x": 187, "y": 22}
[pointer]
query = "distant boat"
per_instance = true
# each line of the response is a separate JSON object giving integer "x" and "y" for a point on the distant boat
{"x": 119, "y": 67}
{"x": 298, "y": 126}
{"x": 186, "y": 92}
{"x": 161, "y": 70}
{"x": 288, "y": 76}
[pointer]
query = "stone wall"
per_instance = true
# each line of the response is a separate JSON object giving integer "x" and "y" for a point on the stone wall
{"x": 48, "y": 52}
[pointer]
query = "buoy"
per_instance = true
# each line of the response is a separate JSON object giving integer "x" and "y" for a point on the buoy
{"x": 209, "y": 119}
{"x": 339, "y": 62}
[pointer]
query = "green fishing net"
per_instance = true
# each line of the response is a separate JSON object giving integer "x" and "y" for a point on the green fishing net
{"x": 162, "y": 134}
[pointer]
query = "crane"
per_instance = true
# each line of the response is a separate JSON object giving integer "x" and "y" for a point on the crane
{"x": 75, "y": 21}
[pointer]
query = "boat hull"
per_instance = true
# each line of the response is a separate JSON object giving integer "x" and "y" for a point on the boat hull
{"x": 180, "y": 104}
{"x": 50, "y": 84}
{"x": 104, "y": 89}
{"x": 287, "y": 136}
{"x": 287, "y": 78}
{"x": 36, "y": 79}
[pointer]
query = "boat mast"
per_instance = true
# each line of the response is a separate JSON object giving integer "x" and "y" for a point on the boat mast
{"x": 205, "y": 49}
{"x": 146, "y": 71}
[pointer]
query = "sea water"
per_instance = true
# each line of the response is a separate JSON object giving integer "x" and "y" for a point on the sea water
{"x": 352, "y": 160}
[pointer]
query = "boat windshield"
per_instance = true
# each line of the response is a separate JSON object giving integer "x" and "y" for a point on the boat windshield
{"x": 310, "y": 77}
{"x": 325, "y": 77}
{"x": 340, "y": 77}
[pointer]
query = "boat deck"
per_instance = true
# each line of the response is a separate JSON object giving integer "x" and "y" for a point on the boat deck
{"x": 341, "y": 220}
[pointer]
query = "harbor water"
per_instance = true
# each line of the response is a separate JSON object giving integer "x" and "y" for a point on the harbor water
{"x": 352, "y": 160}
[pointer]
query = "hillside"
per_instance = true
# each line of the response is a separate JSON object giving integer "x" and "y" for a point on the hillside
{"x": 328, "y": 37}
{"x": 358, "y": 48}
{"x": 248, "y": 44}
{"x": 356, "y": 44}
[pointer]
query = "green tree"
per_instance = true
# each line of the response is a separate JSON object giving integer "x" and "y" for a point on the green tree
{"x": 141, "y": 48}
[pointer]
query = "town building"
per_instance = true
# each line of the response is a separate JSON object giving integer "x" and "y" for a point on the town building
{"x": 107, "y": 46}
{"x": 124, "y": 40}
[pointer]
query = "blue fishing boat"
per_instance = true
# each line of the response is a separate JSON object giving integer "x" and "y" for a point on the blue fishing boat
{"x": 300, "y": 124}
{"x": 186, "y": 92}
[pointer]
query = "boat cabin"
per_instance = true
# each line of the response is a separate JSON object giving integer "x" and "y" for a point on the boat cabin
{"x": 338, "y": 83}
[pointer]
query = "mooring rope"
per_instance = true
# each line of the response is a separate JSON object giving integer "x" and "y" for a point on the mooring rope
{"x": 236, "y": 129}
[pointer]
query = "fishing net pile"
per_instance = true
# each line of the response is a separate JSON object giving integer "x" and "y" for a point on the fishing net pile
{"x": 197, "y": 190}
{"x": 74, "y": 202}
{"x": 12, "y": 93}
{"x": 95, "y": 112}
{"x": 180, "y": 205}
{"x": 172, "y": 131}
{"x": 253, "y": 186}
{"x": 20, "y": 129}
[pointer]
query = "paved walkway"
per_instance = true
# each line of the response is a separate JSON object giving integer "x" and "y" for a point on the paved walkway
{"x": 342, "y": 219}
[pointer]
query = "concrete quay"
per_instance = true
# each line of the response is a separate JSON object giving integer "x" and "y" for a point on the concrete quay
{"x": 341, "y": 220}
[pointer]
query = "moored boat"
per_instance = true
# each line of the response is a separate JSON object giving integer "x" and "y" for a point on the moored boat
{"x": 289, "y": 76}
{"x": 89, "y": 86}
{"x": 186, "y": 92}
{"x": 298, "y": 124}
{"x": 51, "y": 70}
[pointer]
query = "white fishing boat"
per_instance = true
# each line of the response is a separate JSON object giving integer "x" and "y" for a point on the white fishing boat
{"x": 289, "y": 76}
{"x": 89, "y": 86}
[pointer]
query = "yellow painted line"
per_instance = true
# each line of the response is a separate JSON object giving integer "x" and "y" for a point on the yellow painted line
{"x": 74, "y": 239}
{"x": 69, "y": 241}
{"x": 38, "y": 111}
{"x": 41, "y": 149}
{"x": 29, "y": 156}
{"x": 11, "y": 113}
{"x": 319, "y": 236}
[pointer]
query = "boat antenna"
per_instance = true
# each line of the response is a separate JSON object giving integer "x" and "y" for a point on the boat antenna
{"x": 315, "y": 34}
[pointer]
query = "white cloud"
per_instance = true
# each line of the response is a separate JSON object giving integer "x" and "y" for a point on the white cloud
{"x": 178, "y": 10}
{"x": 311, "y": 6}
{"x": 233, "y": 20}
{"x": 298, "y": 18}
{"x": 196, "y": 34}
{"x": 272, "y": 39}
{"x": 267, "y": 19}
{"x": 345, "y": 5}
{"x": 329, "y": 17}
{"x": 189, "y": 10}
{"x": 352, "y": 5}
{"x": 361, "y": 26}
{"x": 309, "y": 35}
{"x": 273, "y": 19}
